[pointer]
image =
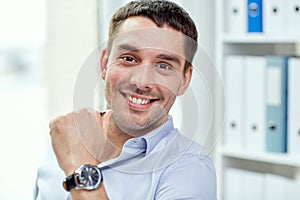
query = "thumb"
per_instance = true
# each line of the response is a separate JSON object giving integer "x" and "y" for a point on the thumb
{"x": 104, "y": 119}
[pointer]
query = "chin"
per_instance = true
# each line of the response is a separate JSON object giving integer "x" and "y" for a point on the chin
{"x": 135, "y": 124}
{"x": 130, "y": 122}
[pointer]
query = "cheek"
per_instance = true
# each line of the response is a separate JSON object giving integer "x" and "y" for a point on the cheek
{"x": 169, "y": 97}
{"x": 113, "y": 79}
{"x": 113, "y": 76}
{"x": 110, "y": 86}
{"x": 170, "y": 90}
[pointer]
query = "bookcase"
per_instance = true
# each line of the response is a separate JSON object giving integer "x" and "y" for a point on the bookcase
{"x": 250, "y": 44}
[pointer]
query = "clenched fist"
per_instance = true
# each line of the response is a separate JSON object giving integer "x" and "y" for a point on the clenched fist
{"x": 81, "y": 138}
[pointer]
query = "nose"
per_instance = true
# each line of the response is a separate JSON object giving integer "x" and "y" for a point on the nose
{"x": 143, "y": 76}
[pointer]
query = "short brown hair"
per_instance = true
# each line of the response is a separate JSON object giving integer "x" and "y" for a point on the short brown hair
{"x": 161, "y": 12}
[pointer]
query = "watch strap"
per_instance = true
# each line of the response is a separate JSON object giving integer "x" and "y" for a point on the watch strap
{"x": 70, "y": 182}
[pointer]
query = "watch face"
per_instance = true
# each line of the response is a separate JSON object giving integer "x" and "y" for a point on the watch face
{"x": 89, "y": 177}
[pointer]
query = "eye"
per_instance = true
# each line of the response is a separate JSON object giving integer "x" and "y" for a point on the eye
{"x": 128, "y": 59}
{"x": 163, "y": 66}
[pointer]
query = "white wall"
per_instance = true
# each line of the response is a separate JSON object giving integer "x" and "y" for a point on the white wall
{"x": 23, "y": 109}
{"x": 72, "y": 35}
{"x": 202, "y": 12}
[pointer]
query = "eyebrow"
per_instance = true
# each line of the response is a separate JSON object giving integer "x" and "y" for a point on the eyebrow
{"x": 168, "y": 57}
{"x": 127, "y": 47}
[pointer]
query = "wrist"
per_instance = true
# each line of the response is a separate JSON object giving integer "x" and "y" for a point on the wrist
{"x": 98, "y": 193}
{"x": 70, "y": 170}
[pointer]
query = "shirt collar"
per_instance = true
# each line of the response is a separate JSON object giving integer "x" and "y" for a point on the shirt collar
{"x": 152, "y": 138}
{"x": 148, "y": 141}
{"x": 144, "y": 144}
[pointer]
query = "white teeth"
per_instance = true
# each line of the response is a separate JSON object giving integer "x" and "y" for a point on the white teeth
{"x": 134, "y": 100}
{"x": 138, "y": 101}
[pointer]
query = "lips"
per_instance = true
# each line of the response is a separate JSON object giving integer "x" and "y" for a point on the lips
{"x": 139, "y": 102}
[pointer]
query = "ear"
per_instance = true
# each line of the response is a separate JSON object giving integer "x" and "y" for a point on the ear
{"x": 185, "y": 82}
{"x": 103, "y": 63}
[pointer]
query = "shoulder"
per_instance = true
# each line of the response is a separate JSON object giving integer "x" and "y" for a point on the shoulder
{"x": 189, "y": 163}
{"x": 203, "y": 163}
{"x": 190, "y": 176}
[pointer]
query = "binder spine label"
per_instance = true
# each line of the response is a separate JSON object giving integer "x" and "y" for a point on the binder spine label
{"x": 274, "y": 86}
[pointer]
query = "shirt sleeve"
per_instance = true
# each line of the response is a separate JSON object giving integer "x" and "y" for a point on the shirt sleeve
{"x": 69, "y": 197}
{"x": 191, "y": 177}
{"x": 49, "y": 180}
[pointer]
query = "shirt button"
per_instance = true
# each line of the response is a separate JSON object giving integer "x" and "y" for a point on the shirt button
{"x": 134, "y": 142}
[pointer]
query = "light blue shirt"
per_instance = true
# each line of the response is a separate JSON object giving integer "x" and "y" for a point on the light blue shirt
{"x": 160, "y": 165}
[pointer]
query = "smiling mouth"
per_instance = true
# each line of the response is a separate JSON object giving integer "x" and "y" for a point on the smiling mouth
{"x": 138, "y": 101}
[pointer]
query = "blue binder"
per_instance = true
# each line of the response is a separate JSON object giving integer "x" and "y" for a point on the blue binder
{"x": 255, "y": 12}
{"x": 276, "y": 105}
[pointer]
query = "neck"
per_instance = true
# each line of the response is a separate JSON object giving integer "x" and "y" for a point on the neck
{"x": 116, "y": 135}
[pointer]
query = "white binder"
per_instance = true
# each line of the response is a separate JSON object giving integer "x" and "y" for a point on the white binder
{"x": 294, "y": 107}
{"x": 280, "y": 187}
{"x": 275, "y": 17}
{"x": 255, "y": 103}
{"x": 234, "y": 104}
{"x": 292, "y": 189}
{"x": 233, "y": 184}
{"x": 243, "y": 184}
{"x": 254, "y": 185}
{"x": 275, "y": 187}
{"x": 235, "y": 16}
{"x": 293, "y": 11}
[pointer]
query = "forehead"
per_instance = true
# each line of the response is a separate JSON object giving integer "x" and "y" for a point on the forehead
{"x": 143, "y": 33}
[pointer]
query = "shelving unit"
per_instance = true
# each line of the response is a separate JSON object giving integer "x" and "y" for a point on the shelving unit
{"x": 251, "y": 44}
{"x": 271, "y": 158}
{"x": 258, "y": 39}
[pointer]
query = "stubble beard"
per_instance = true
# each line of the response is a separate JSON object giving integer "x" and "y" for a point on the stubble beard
{"x": 137, "y": 123}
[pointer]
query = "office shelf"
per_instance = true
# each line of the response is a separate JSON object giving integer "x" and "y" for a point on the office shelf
{"x": 258, "y": 44}
{"x": 271, "y": 158}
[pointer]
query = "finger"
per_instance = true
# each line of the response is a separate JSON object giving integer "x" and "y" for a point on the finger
{"x": 50, "y": 123}
{"x": 106, "y": 120}
{"x": 102, "y": 113}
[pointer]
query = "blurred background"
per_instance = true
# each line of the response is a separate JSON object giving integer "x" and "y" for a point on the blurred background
{"x": 42, "y": 46}
{"x": 23, "y": 95}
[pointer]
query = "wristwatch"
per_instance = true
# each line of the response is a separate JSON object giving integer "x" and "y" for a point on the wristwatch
{"x": 87, "y": 177}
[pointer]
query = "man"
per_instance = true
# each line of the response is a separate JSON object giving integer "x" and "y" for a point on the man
{"x": 132, "y": 151}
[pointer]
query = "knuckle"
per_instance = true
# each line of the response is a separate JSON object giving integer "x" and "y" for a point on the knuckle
{"x": 56, "y": 124}
{"x": 62, "y": 124}
{"x": 86, "y": 112}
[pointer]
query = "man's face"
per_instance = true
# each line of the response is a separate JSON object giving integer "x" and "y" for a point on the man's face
{"x": 143, "y": 74}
